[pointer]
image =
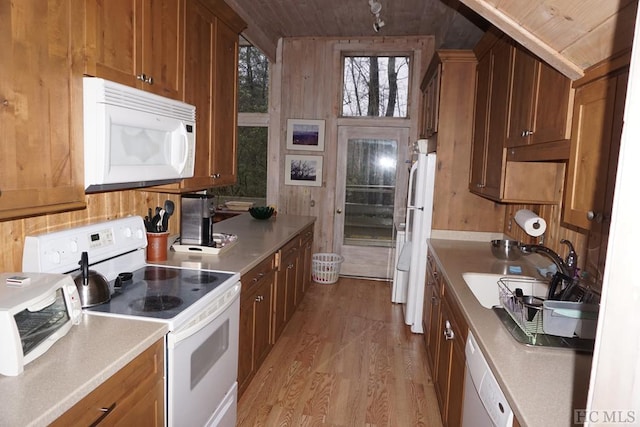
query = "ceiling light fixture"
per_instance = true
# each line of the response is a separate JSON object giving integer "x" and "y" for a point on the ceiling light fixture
{"x": 376, "y": 8}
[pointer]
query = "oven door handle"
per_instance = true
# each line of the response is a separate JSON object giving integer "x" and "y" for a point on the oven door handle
{"x": 205, "y": 317}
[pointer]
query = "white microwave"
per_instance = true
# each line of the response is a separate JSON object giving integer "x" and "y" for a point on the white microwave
{"x": 36, "y": 310}
{"x": 134, "y": 138}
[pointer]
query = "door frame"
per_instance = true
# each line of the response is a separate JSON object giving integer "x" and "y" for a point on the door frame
{"x": 360, "y": 261}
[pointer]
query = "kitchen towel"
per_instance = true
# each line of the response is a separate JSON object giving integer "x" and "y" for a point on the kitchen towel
{"x": 530, "y": 222}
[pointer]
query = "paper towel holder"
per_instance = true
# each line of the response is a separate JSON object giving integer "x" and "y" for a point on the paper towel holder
{"x": 536, "y": 225}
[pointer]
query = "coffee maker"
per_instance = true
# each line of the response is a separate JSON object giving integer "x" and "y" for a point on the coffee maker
{"x": 196, "y": 218}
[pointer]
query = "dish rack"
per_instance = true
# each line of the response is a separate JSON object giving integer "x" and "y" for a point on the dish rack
{"x": 520, "y": 311}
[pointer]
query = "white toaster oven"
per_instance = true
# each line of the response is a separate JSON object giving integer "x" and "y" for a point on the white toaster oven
{"x": 36, "y": 310}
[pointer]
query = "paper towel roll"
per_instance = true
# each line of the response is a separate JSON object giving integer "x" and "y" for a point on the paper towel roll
{"x": 531, "y": 223}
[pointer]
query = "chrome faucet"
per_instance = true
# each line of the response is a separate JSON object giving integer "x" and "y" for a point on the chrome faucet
{"x": 567, "y": 266}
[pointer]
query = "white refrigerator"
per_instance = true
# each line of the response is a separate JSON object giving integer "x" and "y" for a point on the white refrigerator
{"x": 412, "y": 260}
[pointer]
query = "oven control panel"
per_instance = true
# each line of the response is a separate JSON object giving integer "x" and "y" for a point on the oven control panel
{"x": 59, "y": 252}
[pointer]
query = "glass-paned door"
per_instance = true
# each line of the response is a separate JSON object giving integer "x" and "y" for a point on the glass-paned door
{"x": 370, "y": 190}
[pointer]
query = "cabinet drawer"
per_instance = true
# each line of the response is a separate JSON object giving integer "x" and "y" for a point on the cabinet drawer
{"x": 136, "y": 392}
{"x": 290, "y": 249}
{"x": 306, "y": 235}
{"x": 257, "y": 274}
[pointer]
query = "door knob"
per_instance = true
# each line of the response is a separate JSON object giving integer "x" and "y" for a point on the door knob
{"x": 339, "y": 210}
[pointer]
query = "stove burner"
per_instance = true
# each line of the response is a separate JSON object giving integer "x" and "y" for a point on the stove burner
{"x": 156, "y": 303}
{"x": 201, "y": 277}
{"x": 159, "y": 273}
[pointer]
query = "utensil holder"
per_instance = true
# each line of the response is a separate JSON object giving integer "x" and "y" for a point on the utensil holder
{"x": 157, "y": 246}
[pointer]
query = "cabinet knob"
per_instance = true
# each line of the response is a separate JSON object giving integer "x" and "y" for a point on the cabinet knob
{"x": 480, "y": 185}
{"x": 595, "y": 216}
{"x": 149, "y": 80}
{"x": 259, "y": 298}
{"x": 448, "y": 332}
{"x": 215, "y": 176}
{"x": 339, "y": 211}
{"x": 526, "y": 133}
{"x": 142, "y": 77}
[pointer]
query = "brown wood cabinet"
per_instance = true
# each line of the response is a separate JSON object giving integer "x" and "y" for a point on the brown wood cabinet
{"x": 539, "y": 104}
{"x": 430, "y": 88}
{"x": 271, "y": 292}
{"x": 133, "y": 396}
{"x": 451, "y": 360}
{"x": 492, "y": 175}
{"x": 138, "y": 43}
{"x": 40, "y": 118}
{"x": 595, "y": 144}
{"x": 431, "y": 314}
{"x": 287, "y": 278}
{"x": 255, "y": 342}
{"x": 445, "y": 335}
{"x": 211, "y": 64}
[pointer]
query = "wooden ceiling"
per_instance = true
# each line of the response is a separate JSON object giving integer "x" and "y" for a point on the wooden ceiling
{"x": 571, "y": 35}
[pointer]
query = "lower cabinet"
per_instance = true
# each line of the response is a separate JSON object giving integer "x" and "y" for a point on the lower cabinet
{"x": 133, "y": 396}
{"x": 445, "y": 335}
{"x": 451, "y": 361}
{"x": 271, "y": 291}
{"x": 258, "y": 286}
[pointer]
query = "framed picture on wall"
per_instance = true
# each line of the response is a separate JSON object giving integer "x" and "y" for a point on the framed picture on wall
{"x": 303, "y": 170}
{"x": 305, "y": 135}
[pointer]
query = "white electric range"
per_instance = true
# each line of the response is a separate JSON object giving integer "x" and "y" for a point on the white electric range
{"x": 200, "y": 307}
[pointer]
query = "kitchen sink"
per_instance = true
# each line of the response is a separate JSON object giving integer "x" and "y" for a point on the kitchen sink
{"x": 485, "y": 286}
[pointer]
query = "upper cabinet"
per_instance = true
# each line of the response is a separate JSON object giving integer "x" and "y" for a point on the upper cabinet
{"x": 40, "y": 118}
{"x": 596, "y": 134}
{"x": 539, "y": 106}
{"x": 211, "y": 70}
{"x": 495, "y": 173}
{"x": 430, "y": 88}
{"x": 138, "y": 43}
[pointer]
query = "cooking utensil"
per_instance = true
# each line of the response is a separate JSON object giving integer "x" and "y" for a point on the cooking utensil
{"x": 169, "y": 208}
{"x": 92, "y": 286}
{"x": 506, "y": 249}
{"x": 532, "y": 304}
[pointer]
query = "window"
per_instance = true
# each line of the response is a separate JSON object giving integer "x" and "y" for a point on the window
{"x": 375, "y": 86}
{"x": 253, "y": 97}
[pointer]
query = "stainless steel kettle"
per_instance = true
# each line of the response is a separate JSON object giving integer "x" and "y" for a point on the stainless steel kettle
{"x": 92, "y": 286}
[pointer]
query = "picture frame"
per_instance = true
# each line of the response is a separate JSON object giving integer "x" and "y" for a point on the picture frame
{"x": 303, "y": 170}
{"x": 307, "y": 135}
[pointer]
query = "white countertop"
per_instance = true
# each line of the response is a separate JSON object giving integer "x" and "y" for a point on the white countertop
{"x": 543, "y": 385}
{"x": 100, "y": 346}
{"x": 74, "y": 366}
{"x": 257, "y": 239}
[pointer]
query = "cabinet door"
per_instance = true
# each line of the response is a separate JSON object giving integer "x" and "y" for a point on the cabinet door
{"x": 245, "y": 343}
{"x": 523, "y": 91}
{"x": 291, "y": 276}
{"x": 224, "y": 165}
{"x": 434, "y": 327}
{"x": 481, "y": 115}
{"x": 143, "y": 50}
{"x": 113, "y": 50}
{"x": 599, "y": 234}
{"x": 262, "y": 311}
{"x": 198, "y": 88}
{"x": 162, "y": 49}
{"x": 497, "y": 131}
{"x": 591, "y": 141}
{"x": 40, "y": 116}
{"x": 456, "y": 383}
{"x": 550, "y": 121}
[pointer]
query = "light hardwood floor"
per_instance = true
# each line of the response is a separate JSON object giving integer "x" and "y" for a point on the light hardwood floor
{"x": 346, "y": 358}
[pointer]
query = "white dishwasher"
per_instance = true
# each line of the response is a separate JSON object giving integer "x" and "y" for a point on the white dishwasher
{"x": 484, "y": 402}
